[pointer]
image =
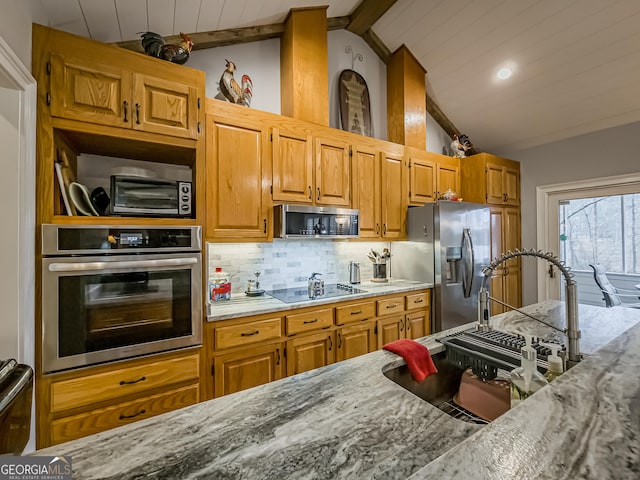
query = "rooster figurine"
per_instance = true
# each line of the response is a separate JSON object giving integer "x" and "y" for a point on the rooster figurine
{"x": 460, "y": 145}
{"x": 154, "y": 46}
{"x": 231, "y": 90}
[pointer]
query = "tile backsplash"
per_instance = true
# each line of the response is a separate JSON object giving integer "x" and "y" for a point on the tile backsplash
{"x": 287, "y": 263}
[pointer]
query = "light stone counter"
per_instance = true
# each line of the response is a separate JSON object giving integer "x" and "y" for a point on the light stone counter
{"x": 349, "y": 421}
{"x": 242, "y": 305}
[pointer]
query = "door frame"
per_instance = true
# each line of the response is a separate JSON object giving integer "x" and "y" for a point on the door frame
{"x": 548, "y": 198}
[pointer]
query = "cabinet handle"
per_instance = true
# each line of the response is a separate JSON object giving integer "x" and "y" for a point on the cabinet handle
{"x": 356, "y": 313}
{"x": 330, "y": 342}
{"x": 306, "y": 322}
{"x": 125, "y": 382}
{"x": 506, "y": 271}
{"x": 250, "y": 334}
{"x": 125, "y": 417}
{"x": 377, "y": 228}
{"x": 278, "y": 359}
{"x": 339, "y": 341}
{"x": 318, "y": 193}
{"x": 309, "y": 192}
{"x": 126, "y": 111}
{"x": 384, "y": 230}
{"x": 392, "y": 306}
{"x": 418, "y": 301}
{"x": 265, "y": 225}
{"x": 138, "y": 113}
{"x": 402, "y": 325}
{"x": 407, "y": 324}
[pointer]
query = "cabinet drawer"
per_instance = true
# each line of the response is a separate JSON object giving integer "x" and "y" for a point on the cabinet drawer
{"x": 247, "y": 333}
{"x": 390, "y": 305}
{"x": 355, "y": 312}
{"x": 94, "y": 421}
{"x": 77, "y": 392}
{"x": 417, "y": 300}
{"x": 303, "y": 322}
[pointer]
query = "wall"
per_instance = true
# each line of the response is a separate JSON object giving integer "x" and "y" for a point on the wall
{"x": 289, "y": 263}
{"x": 600, "y": 154}
{"x": 15, "y": 26}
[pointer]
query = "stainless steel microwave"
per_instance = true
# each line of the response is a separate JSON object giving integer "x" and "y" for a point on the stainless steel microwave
{"x": 144, "y": 196}
{"x": 310, "y": 221}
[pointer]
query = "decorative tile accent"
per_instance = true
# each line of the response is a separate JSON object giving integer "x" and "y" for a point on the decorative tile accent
{"x": 286, "y": 263}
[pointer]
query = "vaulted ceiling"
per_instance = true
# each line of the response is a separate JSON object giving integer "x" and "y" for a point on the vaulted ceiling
{"x": 575, "y": 63}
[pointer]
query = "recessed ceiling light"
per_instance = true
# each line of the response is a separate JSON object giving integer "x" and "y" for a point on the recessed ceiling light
{"x": 504, "y": 73}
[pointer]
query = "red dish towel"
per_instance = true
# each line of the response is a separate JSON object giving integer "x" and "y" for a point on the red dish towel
{"x": 416, "y": 355}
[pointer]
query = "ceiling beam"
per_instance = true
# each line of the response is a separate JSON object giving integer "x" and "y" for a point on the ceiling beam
{"x": 367, "y": 13}
{"x": 233, "y": 36}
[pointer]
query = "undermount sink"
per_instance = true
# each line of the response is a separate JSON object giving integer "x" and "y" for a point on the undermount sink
{"x": 438, "y": 389}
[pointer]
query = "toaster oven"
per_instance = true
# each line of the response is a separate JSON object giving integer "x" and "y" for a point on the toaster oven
{"x": 144, "y": 196}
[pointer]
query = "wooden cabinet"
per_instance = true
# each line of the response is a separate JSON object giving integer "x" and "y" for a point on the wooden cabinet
{"x": 85, "y": 86}
{"x": 78, "y": 403}
{"x": 248, "y": 368}
{"x": 365, "y": 165}
{"x": 238, "y": 168}
{"x": 310, "y": 169}
{"x": 393, "y": 196}
{"x": 430, "y": 175}
{"x": 310, "y": 351}
{"x": 355, "y": 340}
{"x": 355, "y": 312}
{"x": 491, "y": 179}
{"x": 391, "y": 329}
{"x": 505, "y": 283}
{"x": 309, "y": 321}
{"x": 410, "y": 317}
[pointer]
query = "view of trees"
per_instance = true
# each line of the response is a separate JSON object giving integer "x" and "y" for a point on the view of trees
{"x": 603, "y": 230}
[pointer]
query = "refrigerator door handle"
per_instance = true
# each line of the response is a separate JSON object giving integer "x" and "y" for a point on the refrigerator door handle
{"x": 467, "y": 262}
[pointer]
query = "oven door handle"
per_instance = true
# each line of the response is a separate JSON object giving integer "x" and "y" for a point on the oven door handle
{"x": 94, "y": 266}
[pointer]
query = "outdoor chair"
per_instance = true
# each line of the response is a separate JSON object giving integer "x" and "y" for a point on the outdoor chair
{"x": 614, "y": 297}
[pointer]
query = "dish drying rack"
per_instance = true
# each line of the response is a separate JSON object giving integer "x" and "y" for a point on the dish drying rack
{"x": 487, "y": 352}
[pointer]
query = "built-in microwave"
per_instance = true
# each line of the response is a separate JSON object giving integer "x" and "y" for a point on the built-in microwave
{"x": 144, "y": 196}
{"x": 310, "y": 221}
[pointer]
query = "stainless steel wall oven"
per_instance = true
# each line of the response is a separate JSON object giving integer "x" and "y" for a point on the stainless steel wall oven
{"x": 110, "y": 292}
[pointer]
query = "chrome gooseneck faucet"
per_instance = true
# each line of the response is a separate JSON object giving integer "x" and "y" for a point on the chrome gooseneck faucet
{"x": 571, "y": 331}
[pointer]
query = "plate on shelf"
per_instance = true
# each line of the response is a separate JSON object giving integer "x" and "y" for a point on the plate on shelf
{"x": 256, "y": 293}
{"x": 80, "y": 199}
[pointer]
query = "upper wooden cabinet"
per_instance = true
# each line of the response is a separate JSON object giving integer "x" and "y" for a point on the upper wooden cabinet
{"x": 365, "y": 167}
{"x": 430, "y": 175}
{"x": 87, "y": 88}
{"x": 393, "y": 196}
{"x": 491, "y": 179}
{"x": 238, "y": 169}
{"x": 310, "y": 169}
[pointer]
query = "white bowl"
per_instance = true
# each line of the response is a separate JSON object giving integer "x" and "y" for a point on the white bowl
{"x": 80, "y": 198}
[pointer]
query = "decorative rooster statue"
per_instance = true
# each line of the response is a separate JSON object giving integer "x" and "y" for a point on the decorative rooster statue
{"x": 154, "y": 46}
{"x": 460, "y": 145}
{"x": 231, "y": 90}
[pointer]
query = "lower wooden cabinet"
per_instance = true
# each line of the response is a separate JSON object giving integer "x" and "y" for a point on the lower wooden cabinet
{"x": 391, "y": 329}
{"x": 355, "y": 340}
{"x": 82, "y": 402}
{"x": 248, "y": 368}
{"x": 98, "y": 420}
{"x": 311, "y": 351}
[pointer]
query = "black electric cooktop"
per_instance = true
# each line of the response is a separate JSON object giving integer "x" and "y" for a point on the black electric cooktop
{"x": 293, "y": 295}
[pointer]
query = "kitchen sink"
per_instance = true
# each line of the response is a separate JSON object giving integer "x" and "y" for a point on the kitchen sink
{"x": 438, "y": 389}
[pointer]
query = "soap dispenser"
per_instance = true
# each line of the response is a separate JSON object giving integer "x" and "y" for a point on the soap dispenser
{"x": 556, "y": 365}
{"x": 525, "y": 380}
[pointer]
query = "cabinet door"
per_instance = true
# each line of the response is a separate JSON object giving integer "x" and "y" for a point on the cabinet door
{"x": 511, "y": 182}
{"x": 333, "y": 173}
{"x": 422, "y": 181}
{"x": 164, "y": 107}
{"x": 390, "y": 329}
{"x": 237, "y": 173}
{"x": 495, "y": 187}
{"x": 448, "y": 178}
{"x": 309, "y": 352}
{"x": 355, "y": 340}
{"x": 86, "y": 91}
{"x": 252, "y": 367}
{"x": 365, "y": 165}
{"x": 417, "y": 324}
{"x": 292, "y": 166}
{"x": 394, "y": 204}
{"x": 497, "y": 248}
{"x": 511, "y": 240}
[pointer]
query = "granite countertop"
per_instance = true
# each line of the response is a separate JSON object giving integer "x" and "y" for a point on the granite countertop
{"x": 347, "y": 420}
{"x": 242, "y": 305}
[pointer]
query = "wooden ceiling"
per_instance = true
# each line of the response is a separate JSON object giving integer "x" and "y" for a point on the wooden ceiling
{"x": 576, "y": 63}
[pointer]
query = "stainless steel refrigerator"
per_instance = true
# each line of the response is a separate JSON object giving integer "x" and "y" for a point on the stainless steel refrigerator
{"x": 448, "y": 244}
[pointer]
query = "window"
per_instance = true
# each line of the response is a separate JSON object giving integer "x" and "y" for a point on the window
{"x": 603, "y": 230}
